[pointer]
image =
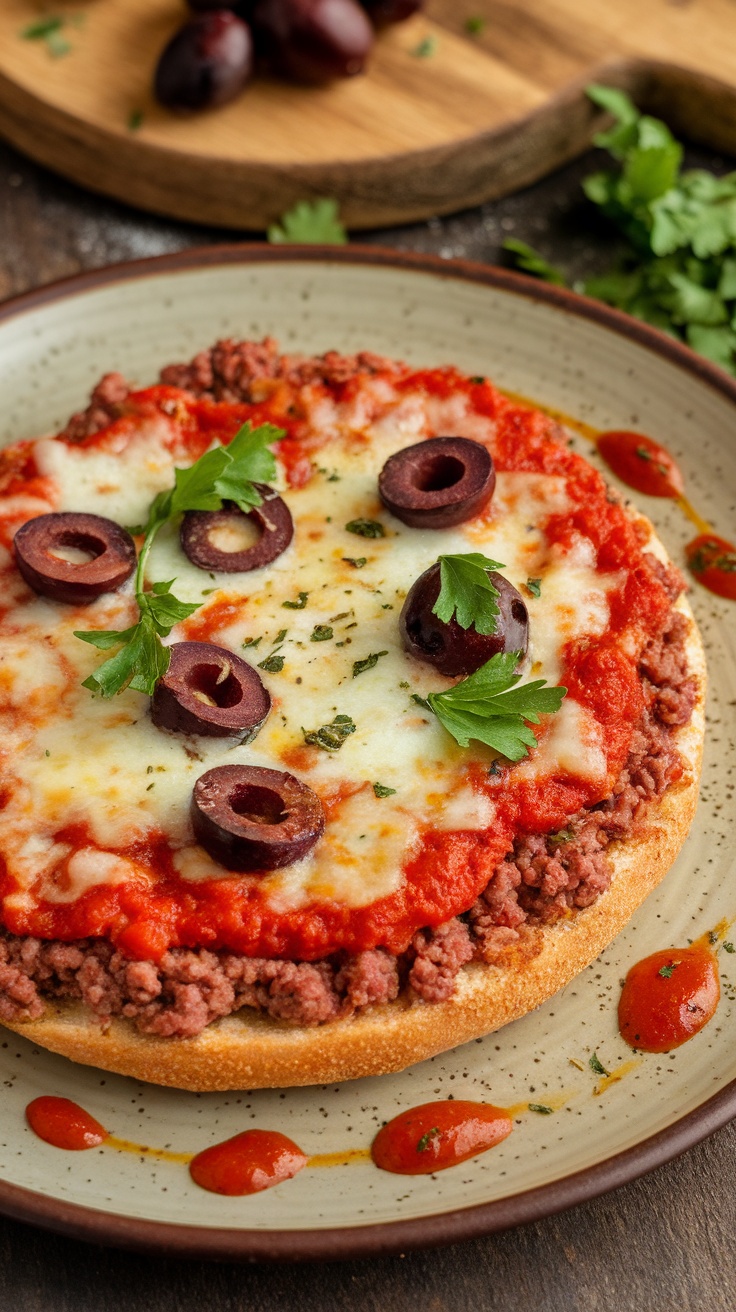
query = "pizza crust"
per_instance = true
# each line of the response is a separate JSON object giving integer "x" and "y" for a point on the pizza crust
{"x": 249, "y": 1051}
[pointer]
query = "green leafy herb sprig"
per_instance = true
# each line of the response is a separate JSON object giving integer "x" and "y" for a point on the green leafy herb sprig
{"x": 467, "y": 592}
{"x": 225, "y": 473}
{"x": 488, "y": 706}
{"x": 680, "y": 271}
{"x": 310, "y": 222}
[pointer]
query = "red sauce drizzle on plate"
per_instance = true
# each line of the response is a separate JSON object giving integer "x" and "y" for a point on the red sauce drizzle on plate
{"x": 641, "y": 463}
{"x": 64, "y": 1124}
{"x": 437, "y": 1135}
{"x": 668, "y": 997}
{"x": 247, "y": 1163}
{"x": 713, "y": 562}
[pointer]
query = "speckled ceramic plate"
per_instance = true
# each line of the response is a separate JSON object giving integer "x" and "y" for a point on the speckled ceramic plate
{"x": 596, "y": 366}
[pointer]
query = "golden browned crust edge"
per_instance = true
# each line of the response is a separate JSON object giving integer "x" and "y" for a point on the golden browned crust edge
{"x": 248, "y": 1051}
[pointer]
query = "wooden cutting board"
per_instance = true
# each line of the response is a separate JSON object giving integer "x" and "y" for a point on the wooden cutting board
{"x": 417, "y": 135}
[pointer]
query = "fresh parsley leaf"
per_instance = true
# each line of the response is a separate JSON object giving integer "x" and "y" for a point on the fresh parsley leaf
{"x": 490, "y": 708}
{"x": 330, "y": 737}
{"x": 526, "y": 258}
{"x": 597, "y": 1066}
{"x": 359, "y": 667}
{"x": 299, "y": 604}
{"x": 381, "y": 790}
{"x": 310, "y": 222}
{"x": 221, "y": 474}
{"x": 420, "y": 701}
{"x": 668, "y": 971}
{"x": 535, "y": 587}
{"x": 466, "y": 592}
{"x": 541, "y": 1108}
{"x": 366, "y": 528}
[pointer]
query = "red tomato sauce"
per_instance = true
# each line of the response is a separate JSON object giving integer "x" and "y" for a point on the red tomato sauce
{"x": 641, "y": 463}
{"x": 712, "y": 561}
{"x": 64, "y": 1124}
{"x": 668, "y": 997}
{"x": 438, "y": 1135}
{"x": 448, "y": 870}
{"x": 247, "y": 1163}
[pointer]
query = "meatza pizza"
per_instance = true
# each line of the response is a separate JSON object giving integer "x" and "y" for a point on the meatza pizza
{"x": 346, "y": 712}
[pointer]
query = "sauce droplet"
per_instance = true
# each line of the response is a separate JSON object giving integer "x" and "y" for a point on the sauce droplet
{"x": 247, "y": 1163}
{"x": 641, "y": 463}
{"x": 64, "y": 1124}
{"x": 668, "y": 997}
{"x": 712, "y": 560}
{"x": 437, "y": 1135}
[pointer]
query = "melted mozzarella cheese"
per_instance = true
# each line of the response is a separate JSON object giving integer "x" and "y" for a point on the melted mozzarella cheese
{"x": 78, "y": 760}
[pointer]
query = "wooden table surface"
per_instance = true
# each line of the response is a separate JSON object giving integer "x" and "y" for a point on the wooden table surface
{"x": 667, "y": 1242}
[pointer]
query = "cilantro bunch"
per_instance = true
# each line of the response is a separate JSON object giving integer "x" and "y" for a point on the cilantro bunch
{"x": 225, "y": 473}
{"x": 680, "y": 271}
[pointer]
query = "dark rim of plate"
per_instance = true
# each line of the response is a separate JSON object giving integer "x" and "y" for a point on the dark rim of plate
{"x": 88, "y": 1223}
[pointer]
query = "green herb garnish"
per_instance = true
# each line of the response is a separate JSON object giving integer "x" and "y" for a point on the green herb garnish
{"x": 252, "y": 642}
{"x": 299, "y": 604}
{"x": 49, "y": 30}
{"x": 534, "y": 586}
{"x": 426, "y": 1139}
{"x": 366, "y": 528}
{"x": 381, "y": 790}
{"x": 274, "y": 663}
{"x": 475, "y": 25}
{"x": 679, "y": 272}
{"x": 668, "y": 971}
{"x": 729, "y": 947}
{"x": 135, "y": 120}
{"x": 357, "y": 562}
{"x": 489, "y": 707}
{"x": 526, "y": 258}
{"x": 540, "y": 1108}
{"x": 320, "y": 633}
{"x": 597, "y": 1066}
{"x": 359, "y": 667}
{"x": 466, "y": 592}
{"x": 222, "y": 474}
{"x": 562, "y": 836}
{"x": 310, "y": 222}
{"x": 330, "y": 737}
{"x": 426, "y": 48}
{"x": 421, "y": 701}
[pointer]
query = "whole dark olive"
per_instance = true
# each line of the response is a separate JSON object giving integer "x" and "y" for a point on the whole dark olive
{"x": 383, "y": 13}
{"x": 313, "y": 40}
{"x": 251, "y": 818}
{"x": 206, "y": 63}
{"x": 437, "y": 483}
{"x": 74, "y": 557}
{"x": 454, "y": 650}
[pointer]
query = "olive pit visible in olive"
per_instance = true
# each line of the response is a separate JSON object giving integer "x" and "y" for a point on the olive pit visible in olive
{"x": 251, "y": 818}
{"x": 272, "y": 519}
{"x": 448, "y": 647}
{"x": 437, "y": 483}
{"x": 45, "y": 550}
{"x": 208, "y": 690}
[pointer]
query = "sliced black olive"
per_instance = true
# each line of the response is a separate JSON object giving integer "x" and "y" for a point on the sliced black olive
{"x": 46, "y": 547}
{"x": 437, "y": 483}
{"x": 249, "y": 818}
{"x": 272, "y": 518}
{"x": 450, "y": 648}
{"x": 209, "y": 690}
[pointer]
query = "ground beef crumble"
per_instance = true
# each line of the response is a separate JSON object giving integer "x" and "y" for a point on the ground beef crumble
{"x": 542, "y": 879}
